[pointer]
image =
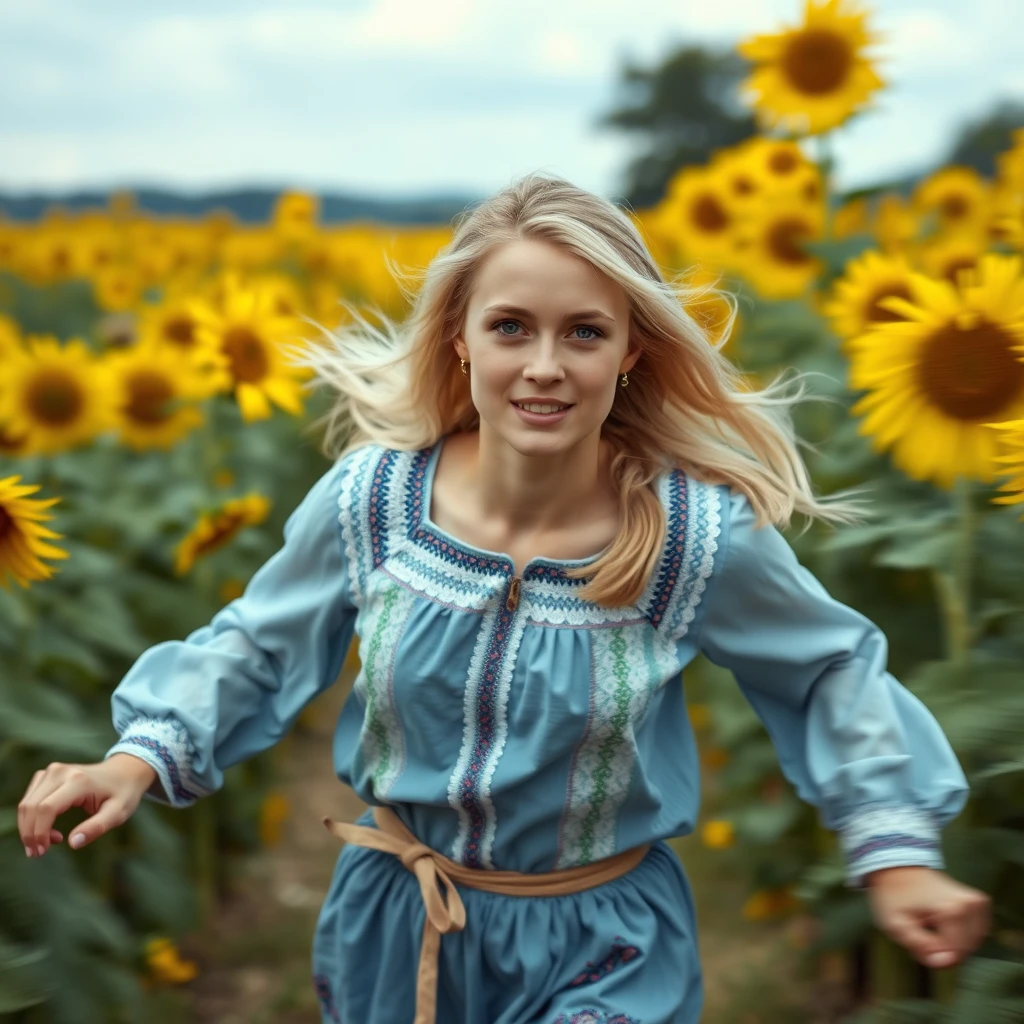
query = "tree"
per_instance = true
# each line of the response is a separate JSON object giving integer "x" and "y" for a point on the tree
{"x": 688, "y": 106}
{"x": 978, "y": 142}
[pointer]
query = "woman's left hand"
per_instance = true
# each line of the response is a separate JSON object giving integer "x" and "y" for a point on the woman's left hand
{"x": 939, "y": 920}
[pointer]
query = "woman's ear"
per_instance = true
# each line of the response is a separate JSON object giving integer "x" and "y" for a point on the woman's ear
{"x": 460, "y": 347}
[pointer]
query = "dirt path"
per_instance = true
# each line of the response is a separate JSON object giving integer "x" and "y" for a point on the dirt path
{"x": 254, "y": 954}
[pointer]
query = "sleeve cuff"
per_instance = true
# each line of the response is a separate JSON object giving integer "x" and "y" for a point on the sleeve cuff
{"x": 889, "y": 837}
{"x": 164, "y": 744}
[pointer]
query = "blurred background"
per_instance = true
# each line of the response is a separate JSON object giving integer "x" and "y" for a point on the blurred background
{"x": 185, "y": 189}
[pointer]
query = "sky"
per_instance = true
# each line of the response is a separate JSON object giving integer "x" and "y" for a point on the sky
{"x": 404, "y": 98}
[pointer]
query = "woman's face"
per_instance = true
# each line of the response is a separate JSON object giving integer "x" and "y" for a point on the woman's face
{"x": 544, "y": 352}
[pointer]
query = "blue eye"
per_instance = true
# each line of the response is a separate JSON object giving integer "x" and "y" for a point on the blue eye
{"x": 583, "y": 327}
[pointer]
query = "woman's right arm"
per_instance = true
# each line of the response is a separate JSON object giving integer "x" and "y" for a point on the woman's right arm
{"x": 188, "y": 709}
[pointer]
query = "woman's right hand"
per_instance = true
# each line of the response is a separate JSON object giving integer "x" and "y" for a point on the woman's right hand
{"x": 109, "y": 791}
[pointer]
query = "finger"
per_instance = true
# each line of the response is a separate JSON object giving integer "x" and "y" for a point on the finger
{"x": 55, "y": 836}
{"x": 110, "y": 815}
{"x": 71, "y": 794}
{"x": 42, "y": 789}
{"x": 978, "y": 922}
{"x": 926, "y": 946}
{"x": 23, "y": 808}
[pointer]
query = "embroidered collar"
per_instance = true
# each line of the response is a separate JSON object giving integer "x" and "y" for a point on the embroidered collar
{"x": 413, "y": 550}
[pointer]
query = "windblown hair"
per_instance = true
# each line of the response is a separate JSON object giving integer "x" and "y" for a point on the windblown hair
{"x": 687, "y": 405}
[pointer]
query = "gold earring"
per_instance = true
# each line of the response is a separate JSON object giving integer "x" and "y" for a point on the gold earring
{"x": 625, "y": 380}
{"x": 464, "y": 364}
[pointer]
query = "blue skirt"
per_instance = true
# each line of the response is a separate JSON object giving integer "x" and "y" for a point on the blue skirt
{"x": 624, "y": 952}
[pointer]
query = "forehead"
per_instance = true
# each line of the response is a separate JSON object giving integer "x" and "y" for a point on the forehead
{"x": 541, "y": 276}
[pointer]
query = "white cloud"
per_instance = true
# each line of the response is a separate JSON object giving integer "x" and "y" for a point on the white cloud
{"x": 408, "y": 96}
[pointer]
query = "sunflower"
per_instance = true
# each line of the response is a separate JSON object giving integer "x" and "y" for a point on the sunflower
{"x": 1012, "y": 457}
{"x": 22, "y": 539}
{"x": 216, "y": 529}
{"x": 173, "y": 324}
{"x": 254, "y": 338}
{"x": 117, "y": 287}
{"x": 285, "y": 294}
{"x": 895, "y": 224}
{"x": 948, "y": 256}
{"x": 811, "y": 78}
{"x": 773, "y": 257}
{"x": 154, "y": 397}
{"x": 851, "y": 218}
{"x": 295, "y": 214}
{"x": 1011, "y": 162}
{"x": 700, "y": 209}
{"x": 958, "y": 197}
{"x": 767, "y": 167}
{"x": 936, "y": 378}
{"x": 57, "y": 396}
{"x": 856, "y": 304}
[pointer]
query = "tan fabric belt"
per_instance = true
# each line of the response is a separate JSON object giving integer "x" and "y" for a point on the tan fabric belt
{"x": 444, "y": 916}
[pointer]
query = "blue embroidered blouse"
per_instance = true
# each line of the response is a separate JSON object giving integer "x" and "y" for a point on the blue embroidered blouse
{"x": 513, "y": 725}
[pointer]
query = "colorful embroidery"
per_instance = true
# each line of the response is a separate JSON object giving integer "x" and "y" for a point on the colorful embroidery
{"x": 326, "y": 997}
{"x": 882, "y": 835}
{"x": 675, "y": 541}
{"x": 485, "y": 726}
{"x": 595, "y": 1017}
{"x": 164, "y": 744}
{"x": 626, "y": 667}
{"x": 693, "y": 526}
{"x": 621, "y": 953}
{"x": 382, "y": 745}
{"x": 703, "y": 503}
{"x": 358, "y": 468}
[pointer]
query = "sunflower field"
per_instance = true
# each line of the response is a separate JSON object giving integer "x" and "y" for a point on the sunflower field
{"x": 150, "y": 416}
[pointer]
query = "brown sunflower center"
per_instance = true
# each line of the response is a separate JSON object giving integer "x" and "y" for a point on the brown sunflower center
{"x": 743, "y": 184}
{"x": 180, "y": 330}
{"x": 55, "y": 398}
{"x": 955, "y": 206}
{"x": 6, "y": 524}
{"x": 817, "y": 61}
{"x": 226, "y": 526}
{"x": 970, "y": 374}
{"x": 784, "y": 241}
{"x": 11, "y": 443}
{"x": 148, "y": 396}
{"x": 952, "y": 267}
{"x": 708, "y": 213}
{"x": 248, "y": 354}
{"x": 875, "y": 313}
{"x": 783, "y": 161}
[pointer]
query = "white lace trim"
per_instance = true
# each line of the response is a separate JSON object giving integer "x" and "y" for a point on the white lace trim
{"x": 354, "y": 514}
{"x": 164, "y": 744}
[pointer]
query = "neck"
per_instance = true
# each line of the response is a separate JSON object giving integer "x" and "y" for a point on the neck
{"x": 536, "y": 493}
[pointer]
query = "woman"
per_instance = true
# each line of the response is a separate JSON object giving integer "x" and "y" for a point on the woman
{"x": 555, "y": 493}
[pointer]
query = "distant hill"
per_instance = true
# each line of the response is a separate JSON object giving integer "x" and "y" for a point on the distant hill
{"x": 249, "y": 205}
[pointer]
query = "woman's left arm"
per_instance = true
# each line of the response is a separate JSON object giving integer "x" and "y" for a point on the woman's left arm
{"x": 854, "y": 741}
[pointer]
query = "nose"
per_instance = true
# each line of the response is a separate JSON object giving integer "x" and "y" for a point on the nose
{"x": 542, "y": 363}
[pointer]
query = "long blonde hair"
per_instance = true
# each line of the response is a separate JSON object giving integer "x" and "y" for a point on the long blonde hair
{"x": 686, "y": 406}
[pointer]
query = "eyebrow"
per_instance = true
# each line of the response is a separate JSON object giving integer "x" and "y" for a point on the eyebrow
{"x": 584, "y": 314}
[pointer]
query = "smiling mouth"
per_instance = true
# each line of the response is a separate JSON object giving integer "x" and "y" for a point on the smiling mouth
{"x": 543, "y": 408}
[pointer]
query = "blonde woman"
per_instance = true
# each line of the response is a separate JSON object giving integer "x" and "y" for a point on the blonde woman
{"x": 549, "y": 494}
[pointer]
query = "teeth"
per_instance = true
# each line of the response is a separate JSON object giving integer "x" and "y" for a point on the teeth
{"x": 541, "y": 408}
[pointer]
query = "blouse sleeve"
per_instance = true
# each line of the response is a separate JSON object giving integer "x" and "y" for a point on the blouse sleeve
{"x": 852, "y": 740}
{"x": 232, "y": 688}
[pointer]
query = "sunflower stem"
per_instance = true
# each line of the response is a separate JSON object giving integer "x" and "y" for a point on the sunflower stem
{"x": 954, "y": 586}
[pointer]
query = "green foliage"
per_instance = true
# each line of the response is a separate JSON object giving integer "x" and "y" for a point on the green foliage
{"x": 943, "y": 577}
{"x": 73, "y": 924}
